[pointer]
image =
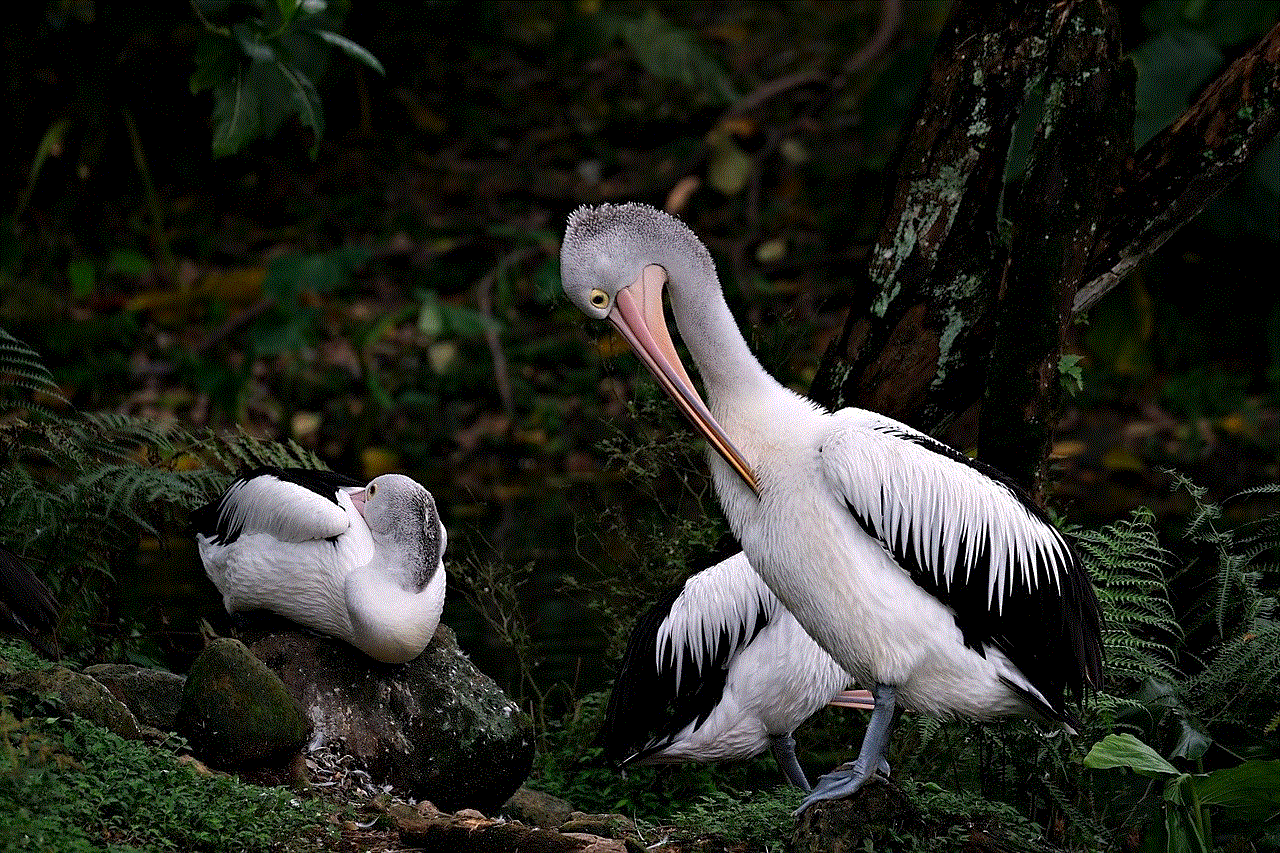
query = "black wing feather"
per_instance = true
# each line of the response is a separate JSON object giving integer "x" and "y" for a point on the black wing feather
{"x": 27, "y": 607}
{"x": 1050, "y": 629}
{"x": 647, "y": 708}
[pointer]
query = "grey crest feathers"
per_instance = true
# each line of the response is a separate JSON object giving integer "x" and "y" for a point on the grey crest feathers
{"x": 611, "y": 243}
{"x": 399, "y": 499}
{"x": 406, "y": 511}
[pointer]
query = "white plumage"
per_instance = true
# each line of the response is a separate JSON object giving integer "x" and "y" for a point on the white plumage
{"x": 362, "y": 563}
{"x": 718, "y": 670}
{"x": 922, "y": 572}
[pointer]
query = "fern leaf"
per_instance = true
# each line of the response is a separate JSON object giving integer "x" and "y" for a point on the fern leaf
{"x": 22, "y": 367}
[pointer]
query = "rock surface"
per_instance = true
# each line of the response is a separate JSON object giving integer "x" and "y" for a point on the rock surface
{"x": 432, "y": 830}
{"x": 537, "y": 809}
{"x": 602, "y": 825}
{"x": 153, "y": 695}
{"x": 435, "y": 728}
{"x": 237, "y": 713}
{"x": 874, "y": 818}
{"x": 80, "y": 695}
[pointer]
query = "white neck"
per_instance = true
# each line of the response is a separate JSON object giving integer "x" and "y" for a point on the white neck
{"x": 391, "y": 618}
{"x": 725, "y": 362}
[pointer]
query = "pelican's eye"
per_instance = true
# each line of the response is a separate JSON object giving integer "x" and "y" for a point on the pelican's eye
{"x": 372, "y": 490}
{"x": 599, "y": 298}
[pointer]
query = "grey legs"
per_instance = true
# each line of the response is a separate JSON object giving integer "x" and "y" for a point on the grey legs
{"x": 847, "y": 779}
{"x": 783, "y": 748}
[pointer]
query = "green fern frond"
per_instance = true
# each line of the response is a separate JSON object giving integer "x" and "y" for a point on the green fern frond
{"x": 77, "y": 492}
{"x": 1265, "y": 489}
{"x": 21, "y": 369}
{"x": 1240, "y": 682}
{"x": 1204, "y": 512}
{"x": 1129, "y": 568}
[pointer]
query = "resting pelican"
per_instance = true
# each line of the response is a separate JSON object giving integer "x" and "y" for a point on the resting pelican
{"x": 27, "y": 607}
{"x": 363, "y": 563}
{"x": 927, "y": 575}
{"x": 718, "y": 670}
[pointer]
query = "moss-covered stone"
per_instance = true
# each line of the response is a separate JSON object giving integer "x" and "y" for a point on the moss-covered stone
{"x": 877, "y": 817}
{"x": 603, "y": 825}
{"x": 153, "y": 695}
{"x": 236, "y": 712}
{"x": 537, "y": 808}
{"x": 78, "y": 694}
{"x": 436, "y": 727}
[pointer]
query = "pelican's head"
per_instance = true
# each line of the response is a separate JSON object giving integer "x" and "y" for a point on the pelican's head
{"x": 402, "y": 513}
{"x": 613, "y": 247}
{"x": 614, "y": 262}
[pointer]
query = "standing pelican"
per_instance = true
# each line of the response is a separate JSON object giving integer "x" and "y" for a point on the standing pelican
{"x": 718, "y": 670}
{"x": 925, "y": 574}
{"x": 363, "y": 563}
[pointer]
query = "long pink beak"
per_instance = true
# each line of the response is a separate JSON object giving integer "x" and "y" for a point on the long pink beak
{"x": 357, "y": 499}
{"x": 638, "y": 317}
{"x": 860, "y": 699}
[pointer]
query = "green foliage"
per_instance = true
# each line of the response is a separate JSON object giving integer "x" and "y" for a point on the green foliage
{"x": 1203, "y": 392}
{"x": 1228, "y": 649}
{"x": 1070, "y": 373}
{"x": 1178, "y": 674}
{"x": 261, "y": 68}
{"x": 1130, "y": 569}
{"x": 945, "y": 821}
{"x": 1187, "y": 46}
{"x": 495, "y": 590}
{"x": 758, "y": 819}
{"x": 288, "y": 320}
{"x": 20, "y": 655}
{"x": 1237, "y": 684}
{"x": 681, "y": 531}
{"x": 1247, "y": 794}
{"x": 668, "y": 51}
{"x": 1185, "y": 50}
{"x": 953, "y": 818}
{"x": 78, "y": 491}
{"x": 568, "y": 764}
{"x": 23, "y": 373}
{"x": 67, "y": 785}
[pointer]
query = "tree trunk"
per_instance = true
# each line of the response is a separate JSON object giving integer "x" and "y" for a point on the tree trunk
{"x": 966, "y": 313}
{"x": 1083, "y": 139}
{"x": 914, "y": 352}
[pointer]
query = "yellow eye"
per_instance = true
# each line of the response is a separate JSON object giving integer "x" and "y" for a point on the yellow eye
{"x": 599, "y": 298}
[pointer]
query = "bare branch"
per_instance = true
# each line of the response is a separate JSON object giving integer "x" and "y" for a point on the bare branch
{"x": 1175, "y": 175}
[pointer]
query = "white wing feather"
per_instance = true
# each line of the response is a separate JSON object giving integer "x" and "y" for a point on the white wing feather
{"x": 287, "y": 511}
{"x": 938, "y": 509}
{"x": 727, "y": 598}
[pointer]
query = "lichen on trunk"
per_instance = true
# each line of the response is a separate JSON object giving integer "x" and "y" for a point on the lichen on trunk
{"x": 1081, "y": 144}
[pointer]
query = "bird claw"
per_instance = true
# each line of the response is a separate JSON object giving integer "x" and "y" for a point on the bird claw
{"x": 844, "y": 781}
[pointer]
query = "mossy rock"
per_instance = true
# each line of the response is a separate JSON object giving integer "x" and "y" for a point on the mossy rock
{"x": 537, "y": 808}
{"x": 603, "y": 825}
{"x": 237, "y": 713}
{"x": 77, "y": 694}
{"x": 875, "y": 818}
{"x": 153, "y": 695}
{"x": 435, "y": 728}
